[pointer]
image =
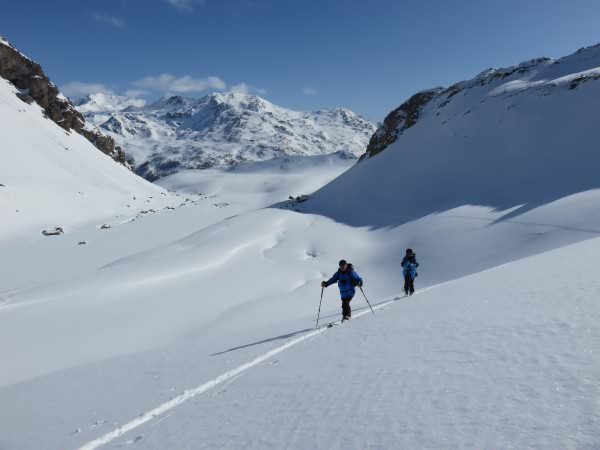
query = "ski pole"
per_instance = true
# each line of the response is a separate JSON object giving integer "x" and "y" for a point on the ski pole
{"x": 319, "y": 313}
{"x": 363, "y": 293}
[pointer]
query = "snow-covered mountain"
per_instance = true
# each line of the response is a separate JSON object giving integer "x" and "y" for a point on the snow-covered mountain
{"x": 498, "y": 96}
{"x": 56, "y": 171}
{"x": 222, "y": 130}
{"x": 517, "y": 142}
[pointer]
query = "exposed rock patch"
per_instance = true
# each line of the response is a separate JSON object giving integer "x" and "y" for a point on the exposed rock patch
{"x": 53, "y": 231}
{"x": 399, "y": 120}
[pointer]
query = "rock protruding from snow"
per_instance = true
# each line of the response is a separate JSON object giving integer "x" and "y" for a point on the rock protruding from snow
{"x": 223, "y": 130}
{"x": 399, "y": 120}
{"x": 34, "y": 86}
{"x": 55, "y": 231}
{"x": 299, "y": 199}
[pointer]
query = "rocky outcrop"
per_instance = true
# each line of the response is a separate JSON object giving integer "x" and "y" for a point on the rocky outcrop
{"x": 106, "y": 145}
{"x": 34, "y": 86}
{"x": 399, "y": 120}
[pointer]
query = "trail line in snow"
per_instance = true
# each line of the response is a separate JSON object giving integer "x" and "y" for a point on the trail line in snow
{"x": 191, "y": 393}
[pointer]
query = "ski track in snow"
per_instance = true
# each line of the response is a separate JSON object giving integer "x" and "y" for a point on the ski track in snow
{"x": 227, "y": 376}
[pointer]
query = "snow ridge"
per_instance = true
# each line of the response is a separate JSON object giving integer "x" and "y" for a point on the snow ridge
{"x": 539, "y": 77}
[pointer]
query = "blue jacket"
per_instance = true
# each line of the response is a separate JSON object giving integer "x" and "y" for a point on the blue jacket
{"x": 410, "y": 267}
{"x": 345, "y": 282}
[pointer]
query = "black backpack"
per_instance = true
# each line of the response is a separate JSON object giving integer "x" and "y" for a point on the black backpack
{"x": 350, "y": 269}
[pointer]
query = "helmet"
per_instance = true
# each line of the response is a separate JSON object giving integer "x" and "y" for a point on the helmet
{"x": 409, "y": 251}
{"x": 342, "y": 262}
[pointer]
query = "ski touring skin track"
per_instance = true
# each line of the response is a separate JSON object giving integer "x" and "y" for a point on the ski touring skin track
{"x": 188, "y": 394}
{"x": 340, "y": 322}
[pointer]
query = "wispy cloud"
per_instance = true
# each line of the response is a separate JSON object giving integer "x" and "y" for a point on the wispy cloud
{"x": 109, "y": 20}
{"x": 309, "y": 91}
{"x": 167, "y": 82}
{"x": 76, "y": 89}
{"x": 245, "y": 88}
{"x": 134, "y": 93}
{"x": 185, "y": 5}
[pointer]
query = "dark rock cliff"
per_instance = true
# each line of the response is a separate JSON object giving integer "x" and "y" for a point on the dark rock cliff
{"x": 34, "y": 86}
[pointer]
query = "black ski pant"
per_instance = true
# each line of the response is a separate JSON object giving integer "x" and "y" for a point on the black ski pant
{"x": 346, "y": 311}
{"x": 409, "y": 285}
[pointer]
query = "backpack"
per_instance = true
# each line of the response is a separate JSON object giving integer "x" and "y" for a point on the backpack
{"x": 350, "y": 269}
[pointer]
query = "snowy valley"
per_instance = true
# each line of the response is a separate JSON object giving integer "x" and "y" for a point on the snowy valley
{"x": 189, "y": 321}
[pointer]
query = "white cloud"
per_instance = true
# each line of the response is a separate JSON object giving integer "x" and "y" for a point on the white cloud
{"x": 185, "y": 5}
{"x": 170, "y": 83}
{"x": 135, "y": 93}
{"x": 110, "y": 20}
{"x": 309, "y": 91}
{"x": 78, "y": 89}
{"x": 245, "y": 88}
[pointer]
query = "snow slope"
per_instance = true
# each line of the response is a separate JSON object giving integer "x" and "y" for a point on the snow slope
{"x": 503, "y": 358}
{"x": 221, "y": 130}
{"x": 52, "y": 177}
{"x": 476, "y": 363}
{"x": 488, "y": 172}
{"x": 513, "y": 140}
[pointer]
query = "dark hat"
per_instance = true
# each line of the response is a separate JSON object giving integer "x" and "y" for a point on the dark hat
{"x": 342, "y": 262}
{"x": 409, "y": 251}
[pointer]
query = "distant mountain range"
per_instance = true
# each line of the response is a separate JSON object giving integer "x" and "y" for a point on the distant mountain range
{"x": 221, "y": 130}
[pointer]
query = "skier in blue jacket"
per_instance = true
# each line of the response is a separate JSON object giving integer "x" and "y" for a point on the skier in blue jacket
{"x": 346, "y": 279}
{"x": 409, "y": 264}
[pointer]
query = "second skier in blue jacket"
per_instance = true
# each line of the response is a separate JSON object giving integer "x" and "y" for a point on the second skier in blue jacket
{"x": 409, "y": 270}
{"x": 346, "y": 279}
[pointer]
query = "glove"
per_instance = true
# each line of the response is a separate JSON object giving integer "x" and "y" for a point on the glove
{"x": 324, "y": 284}
{"x": 360, "y": 284}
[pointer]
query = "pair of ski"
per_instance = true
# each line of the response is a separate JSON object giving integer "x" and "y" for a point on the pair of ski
{"x": 339, "y": 322}
{"x": 334, "y": 323}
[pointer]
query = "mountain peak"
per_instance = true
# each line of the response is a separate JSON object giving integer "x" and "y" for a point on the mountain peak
{"x": 174, "y": 101}
{"x": 4, "y": 41}
{"x": 240, "y": 100}
{"x": 104, "y": 102}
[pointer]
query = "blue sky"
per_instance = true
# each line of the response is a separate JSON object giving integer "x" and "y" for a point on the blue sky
{"x": 302, "y": 54}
